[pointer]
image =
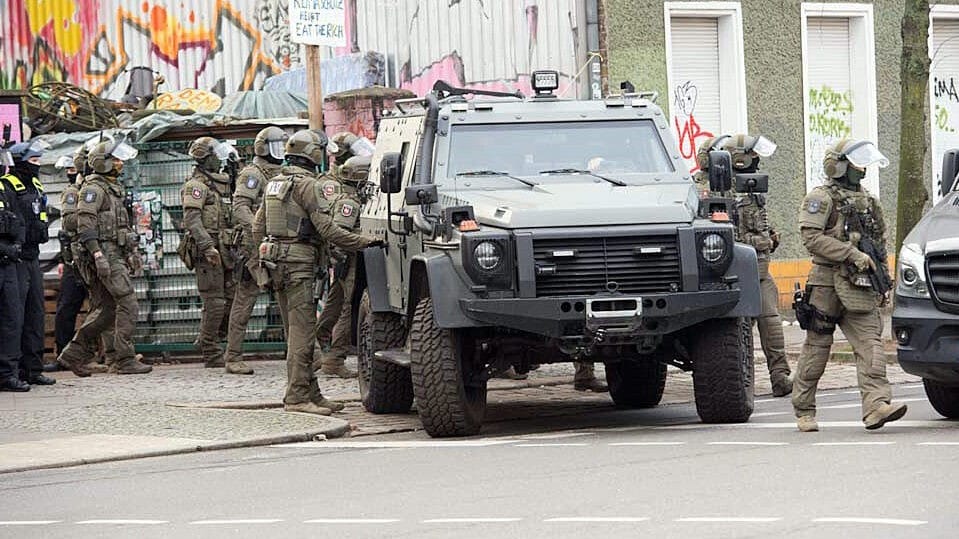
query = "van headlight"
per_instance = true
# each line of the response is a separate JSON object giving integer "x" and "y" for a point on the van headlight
{"x": 911, "y": 272}
{"x": 488, "y": 259}
{"x": 488, "y": 255}
{"x": 715, "y": 250}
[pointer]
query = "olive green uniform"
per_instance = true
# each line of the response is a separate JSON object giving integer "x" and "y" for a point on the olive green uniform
{"x": 296, "y": 220}
{"x": 832, "y": 292}
{"x": 208, "y": 219}
{"x": 246, "y": 200}
{"x": 333, "y": 326}
{"x": 102, "y": 223}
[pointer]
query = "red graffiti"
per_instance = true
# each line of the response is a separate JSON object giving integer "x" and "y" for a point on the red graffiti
{"x": 688, "y": 135}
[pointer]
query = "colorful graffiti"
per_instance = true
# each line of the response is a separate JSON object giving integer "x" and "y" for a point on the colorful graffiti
{"x": 830, "y": 118}
{"x": 945, "y": 133}
{"x": 688, "y": 131}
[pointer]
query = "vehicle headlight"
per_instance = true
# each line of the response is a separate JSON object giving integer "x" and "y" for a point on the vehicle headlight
{"x": 488, "y": 255}
{"x": 713, "y": 248}
{"x": 911, "y": 273}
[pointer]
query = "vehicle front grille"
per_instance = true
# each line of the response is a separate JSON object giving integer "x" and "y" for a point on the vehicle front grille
{"x": 944, "y": 278}
{"x": 586, "y": 266}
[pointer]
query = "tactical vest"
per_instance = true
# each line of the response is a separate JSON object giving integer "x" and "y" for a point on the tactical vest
{"x": 113, "y": 221}
{"x": 37, "y": 232}
{"x": 8, "y": 219}
{"x": 284, "y": 216}
{"x": 846, "y": 201}
{"x": 217, "y": 212}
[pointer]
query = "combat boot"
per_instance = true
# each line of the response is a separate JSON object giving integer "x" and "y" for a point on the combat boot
{"x": 132, "y": 366}
{"x": 215, "y": 363}
{"x": 332, "y": 405}
{"x": 807, "y": 423}
{"x": 593, "y": 385}
{"x": 337, "y": 370}
{"x": 884, "y": 414}
{"x": 782, "y": 384}
{"x": 97, "y": 368}
{"x": 78, "y": 368}
{"x": 307, "y": 408}
{"x": 238, "y": 367}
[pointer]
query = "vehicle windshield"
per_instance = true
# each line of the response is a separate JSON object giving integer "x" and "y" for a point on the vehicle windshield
{"x": 610, "y": 148}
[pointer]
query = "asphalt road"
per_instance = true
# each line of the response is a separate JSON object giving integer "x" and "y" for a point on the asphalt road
{"x": 653, "y": 473}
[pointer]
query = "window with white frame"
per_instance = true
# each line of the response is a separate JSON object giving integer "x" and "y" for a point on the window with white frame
{"x": 705, "y": 72}
{"x": 943, "y": 87}
{"x": 839, "y": 82}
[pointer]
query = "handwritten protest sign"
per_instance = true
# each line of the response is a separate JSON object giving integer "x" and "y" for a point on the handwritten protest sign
{"x": 318, "y": 22}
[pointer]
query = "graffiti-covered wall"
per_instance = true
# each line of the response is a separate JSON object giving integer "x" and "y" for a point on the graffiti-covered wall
{"x": 230, "y": 45}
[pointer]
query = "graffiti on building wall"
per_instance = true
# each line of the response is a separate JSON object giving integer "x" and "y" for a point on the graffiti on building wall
{"x": 830, "y": 117}
{"x": 945, "y": 136}
{"x": 688, "y": 131}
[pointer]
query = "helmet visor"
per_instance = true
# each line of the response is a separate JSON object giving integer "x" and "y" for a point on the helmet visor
{"x": 332, "y": 147}
{"x": 865, "y": 154}
{"x": 6, "y": 159}
{"x": 764, "y": 147}
{"x": 223, "y": 151}
{"x": 65, "y": 161}
{"x": 123, "y": 151}
{"x": 277, "y": 148}
{"x": 89, "y": 145}
{"x": 362, "y": 146}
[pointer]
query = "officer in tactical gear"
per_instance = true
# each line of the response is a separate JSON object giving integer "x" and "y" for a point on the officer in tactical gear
{"x": 12, "y": 237}
{"x": 752, "y": 228}
{"x": 73, "y": 290}
{"x": 834, "y": 295}
{"x": 208, "y": 222}
{"x": 106, "y": 254}
{"x": 269, "y": 148}
{"x": 344, "y": 193}
{"x": 295, "y": 224}
{"x": 24, "y": 181}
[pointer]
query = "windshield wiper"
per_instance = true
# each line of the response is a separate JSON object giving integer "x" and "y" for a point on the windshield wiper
{"x": 620, "y": 183}
{"x": 496, "y": 173}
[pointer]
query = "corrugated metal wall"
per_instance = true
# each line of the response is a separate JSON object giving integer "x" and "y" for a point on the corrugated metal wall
{"x": 229, "y": 45}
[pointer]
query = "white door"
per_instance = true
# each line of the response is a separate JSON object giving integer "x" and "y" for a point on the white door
{"x": 944, "y": 90}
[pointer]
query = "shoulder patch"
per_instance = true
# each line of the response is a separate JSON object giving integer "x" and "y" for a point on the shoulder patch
{"x": 329, "y": 189}
{"x": 813, "y": 206}
{"x": 252, "y": 182}
{"x": 90, "y": 196}
{"x": 197, "y": 194}
{"x": 347, "y": 210}
{"x": 71, "y": 198}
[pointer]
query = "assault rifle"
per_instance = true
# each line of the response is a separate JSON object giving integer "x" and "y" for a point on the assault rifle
{"x": 864, "y": 225}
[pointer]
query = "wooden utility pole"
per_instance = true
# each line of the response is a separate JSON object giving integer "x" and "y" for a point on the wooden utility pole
{"x": 914, "y": 76}
{"x": 314, "y": 86}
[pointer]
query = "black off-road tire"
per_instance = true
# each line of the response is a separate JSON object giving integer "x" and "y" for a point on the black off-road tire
{"x": 439, "y": 363}
{"x": 636, "y": 384}
{"x": 723, "y": 377}
{"x": 385, "y": 388}
{"x": 945, "y": 399}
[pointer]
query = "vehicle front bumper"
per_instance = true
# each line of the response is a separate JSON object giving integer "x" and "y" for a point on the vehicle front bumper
{"x": 564, "y": 317}
{"x": 932, "y": 350}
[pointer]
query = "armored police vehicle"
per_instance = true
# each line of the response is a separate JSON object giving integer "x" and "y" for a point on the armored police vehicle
{"x": 925, "y": 321}
{"x": 523, "y": 231}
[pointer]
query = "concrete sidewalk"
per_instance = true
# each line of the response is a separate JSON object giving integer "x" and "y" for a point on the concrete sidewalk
{"x": 185, "y": 408}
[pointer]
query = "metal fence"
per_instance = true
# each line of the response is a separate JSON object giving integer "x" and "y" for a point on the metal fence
{"x": 169, "y": 317}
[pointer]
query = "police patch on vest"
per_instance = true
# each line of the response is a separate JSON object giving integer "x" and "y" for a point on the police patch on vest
{"x": 251, "y": 182}
{"x": 197, "y": 194}
{"x": 813, "y": 206}
{"x": 329, "y": 190}
{"x": 347, "y": 210}
{"x": 274, "y": 188}
{"x": 71, "y": 198}
{"x": 90, "y": 196}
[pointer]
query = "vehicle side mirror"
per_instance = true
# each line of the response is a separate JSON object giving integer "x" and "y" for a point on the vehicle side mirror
{"x": 391, "y": 172}
{"x": 720, "y": 171}
{"x": 752, "y": 183}
{"x": 950, "y": 167}
{"x": 420, "y": 194}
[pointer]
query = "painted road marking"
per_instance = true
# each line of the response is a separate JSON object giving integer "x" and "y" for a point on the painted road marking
{"x": 28, "y": 522}
{"x": 239, "y": 521}
{"x": 857, "y": 405}
{"x": 558, "y": 436}
{"x": 938, "y": 443}
{"x": 123, "y": 521}
{"x": 469, "y": 520}
{"x": 890, "y": 521}
{"x": 385, "y": 444}
{"x": 748, "y": 443}
{"x": 597, "y": 519}
{"x": 552, "y": 445}
{"x": 728, "y": 519}
{"x": 852, "y": 443}
{"x": 639, "y": 444}
{"x": 938, "y": 424}
{"x": 351, "y": 521}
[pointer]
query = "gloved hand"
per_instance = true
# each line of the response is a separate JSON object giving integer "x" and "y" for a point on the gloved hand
{"x": 212, "y": 256}
{"x": 862, "y": 261}
{"x": 103, "y": 265}
{"x": 135, "y": 263}
{"x": 773, "y": 235}
{"x": 375, "y": 242}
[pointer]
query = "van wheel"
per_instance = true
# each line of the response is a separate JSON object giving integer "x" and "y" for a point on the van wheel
{"x": 449, "y": 387}
{"x": 385, "y": 388}
{"x": 722, "y": 354}
{"x": 945, "y": 399}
